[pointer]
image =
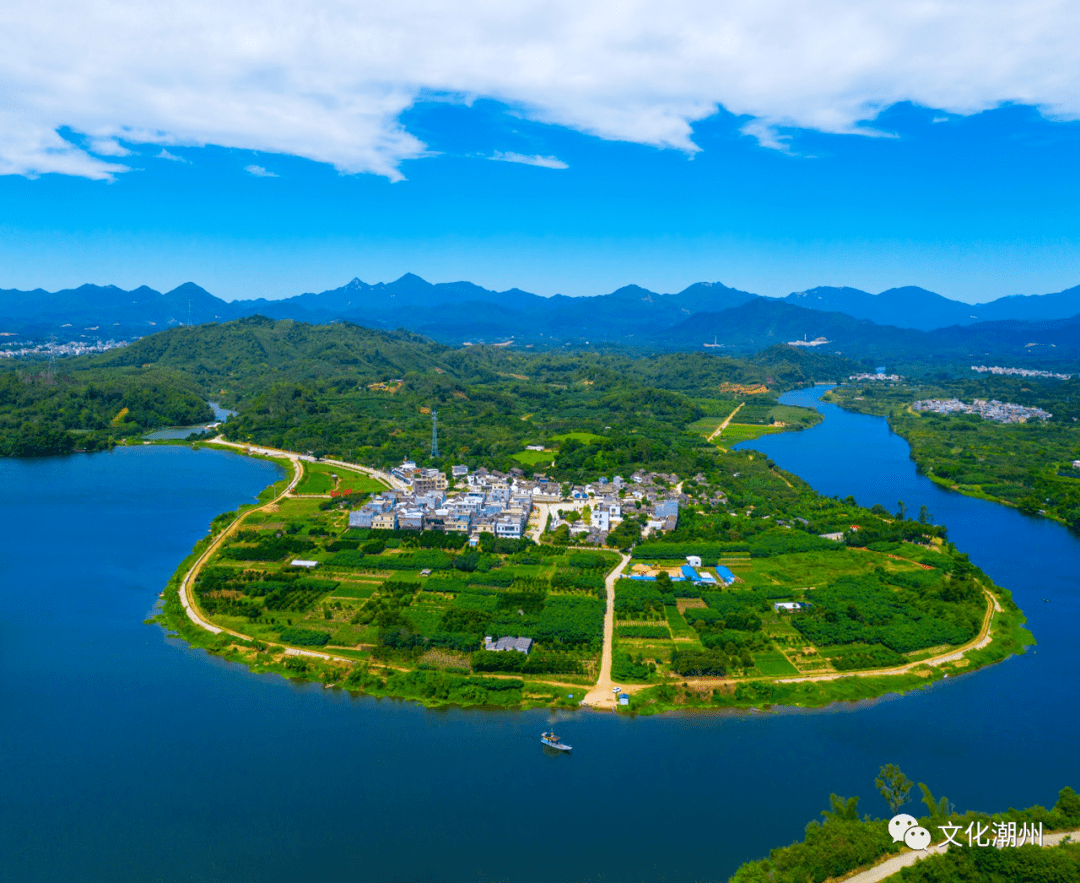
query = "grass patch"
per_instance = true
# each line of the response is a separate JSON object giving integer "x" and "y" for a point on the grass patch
{"x": 360, "y": 593}
{"x": 534, "y": 458}
{"x": 740, "y": 432}
{"x": 586, "y": 438}
{"x": 319, "y": 478}
{"x": 678, "y": 625}
{"x": 774, "y": 664}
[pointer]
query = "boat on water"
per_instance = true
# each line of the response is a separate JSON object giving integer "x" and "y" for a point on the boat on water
{"x": 553, "y": 741}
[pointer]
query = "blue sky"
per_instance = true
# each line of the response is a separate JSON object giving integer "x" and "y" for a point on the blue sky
{"x": 629, "y": 186}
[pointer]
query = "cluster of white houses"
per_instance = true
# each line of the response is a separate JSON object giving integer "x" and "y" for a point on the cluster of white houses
{"x": 501, "y": 503}
{"x": 490, "y": 504}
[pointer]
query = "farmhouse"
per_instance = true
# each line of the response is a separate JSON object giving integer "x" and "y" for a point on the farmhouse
{"x": 522, "y": 645}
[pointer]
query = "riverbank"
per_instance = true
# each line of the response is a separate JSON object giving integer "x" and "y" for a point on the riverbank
{"x": 358, "y": 669}
{"x": 1024, "y": 466}
{"x": 113, "y": 728}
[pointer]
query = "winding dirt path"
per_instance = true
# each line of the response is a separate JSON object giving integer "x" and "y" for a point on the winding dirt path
{"x": 186, "y": 591}
{"x": 891, "y": 866}
{"x": 601, "y": 695}
{"x": 187, "y": 598}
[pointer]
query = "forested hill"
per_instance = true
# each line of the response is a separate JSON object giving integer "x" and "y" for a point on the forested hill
{"x": 255, "y": 348}
{"x": 367, "y": 395}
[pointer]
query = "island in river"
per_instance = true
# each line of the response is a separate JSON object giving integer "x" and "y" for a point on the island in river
{"x": 738, "y": 588}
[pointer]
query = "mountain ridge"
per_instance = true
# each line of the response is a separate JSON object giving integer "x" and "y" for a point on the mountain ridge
{"x": 907, "y": 319}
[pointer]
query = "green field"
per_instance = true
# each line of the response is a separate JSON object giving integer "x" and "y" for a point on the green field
{"x": 774, "y": 664}
{"x": 535, "y": 458}
{"x": 586, "y": 438}
{"x": 319, "y": 479}
{"x": 740, "y": 432}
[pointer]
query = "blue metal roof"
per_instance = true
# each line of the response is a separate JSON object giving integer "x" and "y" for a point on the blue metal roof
{"x": 725, "y": 574}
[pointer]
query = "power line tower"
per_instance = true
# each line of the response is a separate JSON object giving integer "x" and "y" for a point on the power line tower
{"x": 434, "y": 435}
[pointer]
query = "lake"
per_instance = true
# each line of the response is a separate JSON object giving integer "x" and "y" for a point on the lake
{"x": 126, "y": 755}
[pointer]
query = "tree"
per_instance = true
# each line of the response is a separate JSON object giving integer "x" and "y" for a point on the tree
{"x": 842, "y": 809}
{"x": 901, "y": 512}
{"x": 894, "y": 786}
{"x": 938, "y": 809}
{"x": 1068, "y": 805}
{"x": 924, "y": 515}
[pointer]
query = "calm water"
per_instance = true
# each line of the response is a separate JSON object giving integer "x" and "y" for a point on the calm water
{"x": 127, "y": 756}
{"x": 174, "y": 433}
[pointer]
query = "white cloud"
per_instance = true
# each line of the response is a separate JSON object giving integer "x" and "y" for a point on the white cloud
{"x": 544, "y": 162}
{"x": 259, "y": 172}
{"x": 329, "y": 79}
{"x": 170, "y": 156}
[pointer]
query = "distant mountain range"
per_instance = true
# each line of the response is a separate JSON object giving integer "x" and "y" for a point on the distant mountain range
{"x": 909, "y": 321}
{"x": 913, "y": 307}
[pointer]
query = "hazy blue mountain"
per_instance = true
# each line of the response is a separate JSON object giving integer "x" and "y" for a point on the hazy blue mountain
{"x": 108, "y": 311}
{"x": 907, "y": 307}
{"x": 761, "y": 323}
{"x": 764, "y": 322}
{"x": 1033, "y": 307}
{"x": 913, "y": 307}
{"x": 459, "y": 311}
{"x": 909, "y": 321}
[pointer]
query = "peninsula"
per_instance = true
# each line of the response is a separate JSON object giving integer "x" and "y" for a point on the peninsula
{"x": 640, "y": 593}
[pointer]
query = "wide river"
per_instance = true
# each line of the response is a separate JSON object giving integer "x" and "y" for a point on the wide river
{"x": 125, "y": 755}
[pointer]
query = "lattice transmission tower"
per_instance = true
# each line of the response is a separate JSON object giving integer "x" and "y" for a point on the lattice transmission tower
{"x": 434, "y": 435}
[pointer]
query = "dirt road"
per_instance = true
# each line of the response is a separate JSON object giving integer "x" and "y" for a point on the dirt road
{"x": 724, "y": 425}
{"x": 602, "y": 695}
{"x": 892, "y": 866}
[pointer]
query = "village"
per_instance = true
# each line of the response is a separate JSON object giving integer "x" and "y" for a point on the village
{"x": 1000, "y": 412}
{"x": 503, "y": 503}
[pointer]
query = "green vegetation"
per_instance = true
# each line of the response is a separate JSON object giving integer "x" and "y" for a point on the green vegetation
{"x": 326, "y": 389}
{"x": 534, "y": 458}
{"x": 368, "y": 599}
{"x": 1025, "y": 465}
{"x": 892, "y": 592}
{"x": 1023, "y": 864}
{"x": 844, "y": 842}
{"x": 326, "y": 478}
{"x": 586, "y": 438}
{"x": 45, "y": 411}
{"x": 739, "y": 432}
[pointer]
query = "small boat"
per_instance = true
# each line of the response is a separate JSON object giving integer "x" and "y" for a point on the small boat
{"x": 553, "y": 741}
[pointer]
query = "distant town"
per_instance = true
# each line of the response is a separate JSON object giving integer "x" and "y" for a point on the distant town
{"x": 892, "y": 378}
{"x": 1000, "y": 412}
{"x": 489, "y": 501}
{"x": 11, "y": 350}
{"x": 1018, "y": 372}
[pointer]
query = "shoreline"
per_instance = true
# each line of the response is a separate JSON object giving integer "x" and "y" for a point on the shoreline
{"x": 659, "y": 697}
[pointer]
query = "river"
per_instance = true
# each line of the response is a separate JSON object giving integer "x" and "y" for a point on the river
{"x": 126, "y": 755}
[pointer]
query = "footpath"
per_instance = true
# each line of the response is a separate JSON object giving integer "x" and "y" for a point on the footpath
{"x": 893, "y": 865}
